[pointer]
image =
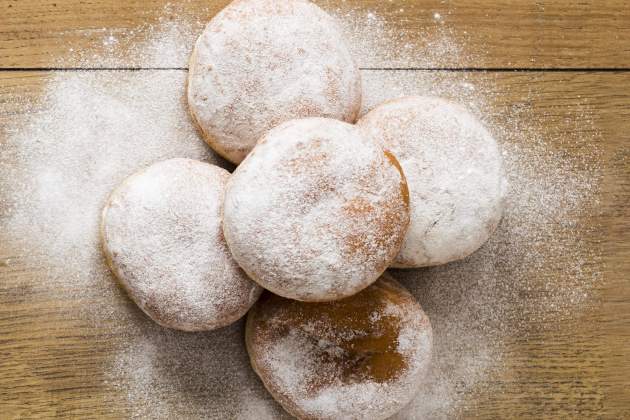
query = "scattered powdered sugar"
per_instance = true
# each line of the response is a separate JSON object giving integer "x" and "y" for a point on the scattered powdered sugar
{"x": 63, "y": 154}
{"x": 89, "y": 132}
{"x": 478, "y": 304}
{"x": 142, "y": 47}
{"x": 173, "y": 374}
{"x": 376, "y": 42}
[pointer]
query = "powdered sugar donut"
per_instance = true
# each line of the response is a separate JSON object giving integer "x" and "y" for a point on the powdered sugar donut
{"x": 363, "y": 357}
{"x": 162, "y": 237}
{"x": 316, "y": 212}
{"x": 455, "y": 174}
{"x": 259, "y": 63}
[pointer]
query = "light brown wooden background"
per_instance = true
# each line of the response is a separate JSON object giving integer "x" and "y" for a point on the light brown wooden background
{"x": 566, "y": 53}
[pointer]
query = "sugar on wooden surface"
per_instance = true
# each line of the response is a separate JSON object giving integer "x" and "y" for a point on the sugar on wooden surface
{"x": 92, "y": 129}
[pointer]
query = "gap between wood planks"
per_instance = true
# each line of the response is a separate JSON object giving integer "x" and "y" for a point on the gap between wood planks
{"x": 445, "y": 69}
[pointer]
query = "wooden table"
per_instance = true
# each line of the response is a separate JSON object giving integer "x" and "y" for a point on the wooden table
{"x": 568, "y": 53}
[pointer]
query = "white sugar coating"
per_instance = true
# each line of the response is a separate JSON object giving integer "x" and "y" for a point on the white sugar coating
{"x": 90, "y": 130}
{"x": 336, "y": 360}
{"x": 259, "y": 63}
{"x": 86, "y": 135}
{"x": 496, "y": 294}
{"x": 455, "y": 174}
{"x": 316, "y": 212}
{"x": 162, "y": 235}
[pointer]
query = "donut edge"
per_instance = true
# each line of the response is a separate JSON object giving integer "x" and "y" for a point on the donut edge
{"x": 206, "y": 137}
{"x": 287, "y": 404}
{"x": 354, "y": 106}
{"x": 405, "y": 264}
{"x": 120, "y": 279}
{"x": 389, "y": 159}
{"x": 284, "y": 401}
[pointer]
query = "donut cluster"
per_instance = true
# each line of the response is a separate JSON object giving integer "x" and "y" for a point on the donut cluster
{"x": 321, "y": 204}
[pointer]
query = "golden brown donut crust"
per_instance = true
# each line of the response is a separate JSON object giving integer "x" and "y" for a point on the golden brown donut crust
{"x": 340, "y": 344}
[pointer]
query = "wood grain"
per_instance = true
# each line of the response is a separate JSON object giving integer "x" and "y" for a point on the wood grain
{"x": 496, "y": 33}
{"x": 53, "y": 362}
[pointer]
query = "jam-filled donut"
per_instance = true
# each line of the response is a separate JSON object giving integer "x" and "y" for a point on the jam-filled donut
{"x": 455, "y": 173}
{"x": 162, "y": 238}
{"x": 363, "y": 357}
{"x": 316, "y": 212}
{"x": 259, "y": 63}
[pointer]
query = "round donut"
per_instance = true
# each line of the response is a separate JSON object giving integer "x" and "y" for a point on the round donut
{"x": 316, "y": 212}
{"x": 162, "y": 238}
{"x": 455, "y": 173}
{"x": 259, "y": 63}
{"x": 363, "y": 357}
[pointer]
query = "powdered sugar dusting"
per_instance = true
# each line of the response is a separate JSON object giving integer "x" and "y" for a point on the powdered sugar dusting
{"x": 455, "y": 174}
{"x": 162, "y": 235}
{"x": 62, "y": 156}
{"x": 377, "y": 42}
{"x": 316, "y": 212}
{"x": 90, "y": 131}
{"x": 491, "y": 296}
{"x": 164, "y": 43}
{"x": 259, "y": 63}
{"x": 172, "y": 374}
{"x": 334, "y": 360}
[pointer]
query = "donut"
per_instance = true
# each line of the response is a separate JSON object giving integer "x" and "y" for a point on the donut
{"x": 362, "y": 357}
{"x": 316, "y": 212}
{"x": 162, "y": 238}
{"x": 455, "y": 173}
{"x": 259, "y": 63}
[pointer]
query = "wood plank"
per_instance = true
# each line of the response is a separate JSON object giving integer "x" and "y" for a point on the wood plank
{"x": 52, "y": 362}
{"x": 496, "y": 33}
